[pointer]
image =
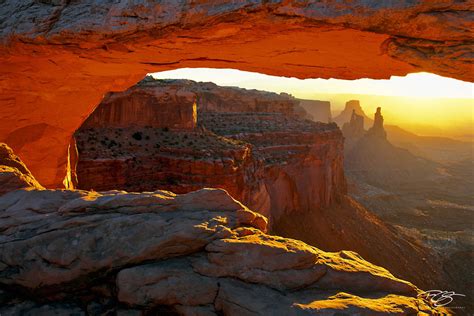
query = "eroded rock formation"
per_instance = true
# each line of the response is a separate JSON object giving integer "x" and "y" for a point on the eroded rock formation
{"x": 13, "y": 172}
{"x": 374, "y": 160}
{"x": 354, "y": 129}
{"x": 251, "y": 143}
{"x": 287, "y": 168}
{"x": 204, "y": 253}
{"x": 81, "y": 50}
{"x": 377, "y": 130}
{"x": 352, "y": 106}
{"x": 142, "y": 105}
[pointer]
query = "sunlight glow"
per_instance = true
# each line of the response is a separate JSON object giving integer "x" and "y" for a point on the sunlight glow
{"x": 413, "y": 85}
{"x": 423, "y": 101}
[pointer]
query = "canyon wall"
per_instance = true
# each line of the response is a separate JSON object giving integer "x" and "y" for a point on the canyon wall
{"x": 67, "y": 252}
{"x": 266, "y": 157}
{"x": 144, "y": 106}
{"x": 59, "y": 58}
{"x": 286, "y": 167}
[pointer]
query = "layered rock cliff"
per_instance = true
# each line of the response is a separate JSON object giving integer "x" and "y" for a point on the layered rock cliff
{"x": 67, "y": 252}
{"x": 289, "y": 169}
{"x": 83, "y": 49}
{"x": 249, "y": 142}
{"x": 143, "y": 106}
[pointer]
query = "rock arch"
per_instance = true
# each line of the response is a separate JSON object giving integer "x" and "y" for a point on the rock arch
{"x": 58, "y": 58}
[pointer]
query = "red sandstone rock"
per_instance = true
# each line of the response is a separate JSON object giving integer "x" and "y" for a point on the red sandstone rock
{"x": 13, "y": 172}
{"x": 290, "y": 170}
{"x": 265, "y": 155}
{"x": 145, "y": 105}
{"x": 81, "y": 50}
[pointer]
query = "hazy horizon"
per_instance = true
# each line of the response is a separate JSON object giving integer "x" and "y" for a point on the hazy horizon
{"x": 421, "y": 103}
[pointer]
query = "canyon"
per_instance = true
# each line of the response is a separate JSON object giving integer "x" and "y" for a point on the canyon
{"x": 426, "y": 197}
{"x": 78, "y": 123}
{"x": 257, "y": 145}
{"x": 74, "y": 252}
{"x": 82, "y": 50}
{"x": 272, "y": 159}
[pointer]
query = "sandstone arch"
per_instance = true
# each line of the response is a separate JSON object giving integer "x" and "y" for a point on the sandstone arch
{"x": 59, "y": 57}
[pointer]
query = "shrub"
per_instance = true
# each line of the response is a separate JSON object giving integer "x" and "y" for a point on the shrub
{"x": 112, "y": 143}
{"x": 137, "y": 135}
{"x": 165, "y": 129}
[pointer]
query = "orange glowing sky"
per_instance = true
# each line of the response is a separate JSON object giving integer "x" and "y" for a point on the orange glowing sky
{"x": 416, "y": 100}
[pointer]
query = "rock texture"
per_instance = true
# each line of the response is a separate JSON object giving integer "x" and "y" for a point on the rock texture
{"x": 202, "y": 253}
{"x": 287, "y": 168}
{"x": 13, "y": 172}
{"x": 251, "y": 143}
{"x": 144, "y": 105}
{"x": 81, "y": 50}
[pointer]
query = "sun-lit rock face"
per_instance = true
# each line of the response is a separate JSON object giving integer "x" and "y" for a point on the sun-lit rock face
{"x": 213, "y": 98}
{"x": 287, "y": 168}
{"x": 13, "y": 172}
{"x": 144, "y": 105}
{"x": 60, "y": 57}
{"x": 254, "y": 144}
{"x": 201, "y": 253}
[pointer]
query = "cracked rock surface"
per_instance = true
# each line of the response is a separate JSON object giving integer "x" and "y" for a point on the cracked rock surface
{"x": 200, "y": 252}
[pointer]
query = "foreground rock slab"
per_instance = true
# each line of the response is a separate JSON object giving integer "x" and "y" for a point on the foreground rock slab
{"x": 200, "y": 253}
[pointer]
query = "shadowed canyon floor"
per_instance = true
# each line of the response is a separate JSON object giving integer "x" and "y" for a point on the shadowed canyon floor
{"x": 202, "y": 253}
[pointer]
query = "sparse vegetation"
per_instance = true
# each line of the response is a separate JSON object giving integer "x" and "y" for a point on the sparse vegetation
{"x": 137, "y": 135}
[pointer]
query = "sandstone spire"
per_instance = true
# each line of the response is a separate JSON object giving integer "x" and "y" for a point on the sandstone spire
{"x": 355, "y": 127}
{"x": 377, "y": 130}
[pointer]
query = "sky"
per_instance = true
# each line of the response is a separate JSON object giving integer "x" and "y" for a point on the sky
{"x": 427, "y": 103}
